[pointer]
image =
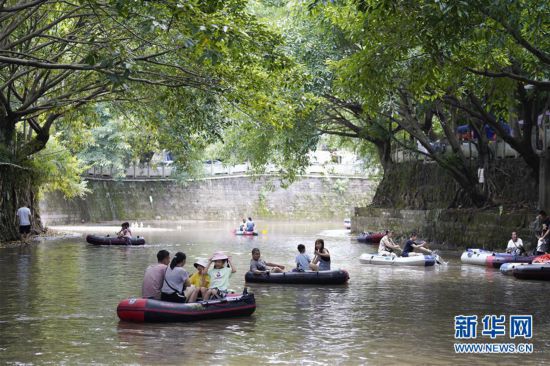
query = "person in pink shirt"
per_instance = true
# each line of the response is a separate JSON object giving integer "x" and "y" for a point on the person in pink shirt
{"x": 154, "y": 276}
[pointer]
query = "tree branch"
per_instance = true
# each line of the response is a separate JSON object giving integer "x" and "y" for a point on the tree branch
{"x": 541, "y": 55}
{"x": 543, "y": 85}
{"x": 21, "y": 6}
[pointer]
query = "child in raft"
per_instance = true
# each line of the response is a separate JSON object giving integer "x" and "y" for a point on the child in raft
{"x": 321, "y": 261}
{"x": 302, "y": 260}
{"x": 125, "y": 231}
{"x": 200, "y": 279}
{"x": 219, "y": 276}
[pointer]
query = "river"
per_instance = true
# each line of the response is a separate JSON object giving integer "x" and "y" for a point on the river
{"x": 58, "y": 304}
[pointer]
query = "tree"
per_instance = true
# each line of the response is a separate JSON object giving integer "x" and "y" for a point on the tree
{"x": 57, "y": 58}
{"x": 419, "y": 61}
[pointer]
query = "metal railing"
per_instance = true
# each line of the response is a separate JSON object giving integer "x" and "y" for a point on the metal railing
{"x": 166, "y": 170}
{"x": 137, "y": 171}
{"x": 499, "y": 150}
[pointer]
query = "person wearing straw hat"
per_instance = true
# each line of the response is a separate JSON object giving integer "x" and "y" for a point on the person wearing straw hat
{"x": 219, "y": 275}
{"x": 201, "y": 279}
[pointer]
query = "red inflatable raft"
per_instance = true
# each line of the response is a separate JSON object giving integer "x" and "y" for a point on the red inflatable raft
{"x": 153, "y": 311}
{"x": 246, "y": 233}
{"x": 370, "y": 238}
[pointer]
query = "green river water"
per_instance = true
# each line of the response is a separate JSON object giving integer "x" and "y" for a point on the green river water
{"x": 58, "y": 302}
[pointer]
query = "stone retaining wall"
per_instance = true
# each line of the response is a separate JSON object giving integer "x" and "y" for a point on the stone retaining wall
{"x": 451, "y": 228}
{"x": 312, "y": 197}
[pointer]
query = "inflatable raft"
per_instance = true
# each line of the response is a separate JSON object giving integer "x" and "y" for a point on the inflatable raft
{"x": 533, "y": 272}
{"x": 487, "y": 258}
{"x": 112, "y": 240}
{"x": 154, "y": 311}
{"x": 392, "y": 260}
{"x": 475, "y": 256}
{"x": 301, "y": 278}
{"x": 370, "y": 238}
{"x": 499, "y": 259}
{"x": 508, "y": 268}
{"x": 246, "y": 233}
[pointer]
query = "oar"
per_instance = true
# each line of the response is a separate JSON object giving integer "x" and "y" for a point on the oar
{"x": 438, "y": 259}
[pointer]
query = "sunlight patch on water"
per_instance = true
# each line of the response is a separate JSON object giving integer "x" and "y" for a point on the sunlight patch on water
{"x": 343, "y": 233}
{"x": 89, "y": 229}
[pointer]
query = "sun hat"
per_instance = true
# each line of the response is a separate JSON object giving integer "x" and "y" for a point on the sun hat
{"x": 219, "y": 256}
{"x": 201, "y": 262}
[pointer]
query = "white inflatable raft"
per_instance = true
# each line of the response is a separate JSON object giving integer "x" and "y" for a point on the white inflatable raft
{"x": 393, "y": 260}
{"x": 475, "y": 256}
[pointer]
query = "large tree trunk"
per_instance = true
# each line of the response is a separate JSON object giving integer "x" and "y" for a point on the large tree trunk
{"x": 7, "y": 132}
{"x": 17, "y": 188}
{"x": 384, "y": 153}
{"x": 544, "y": 181}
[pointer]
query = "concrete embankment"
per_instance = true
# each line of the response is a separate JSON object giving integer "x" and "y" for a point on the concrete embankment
{"x": 311, "y": 197}
{"x": 451, "y": 228}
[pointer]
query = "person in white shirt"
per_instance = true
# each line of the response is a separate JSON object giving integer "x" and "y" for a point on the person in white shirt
{"x": 24, "y": 216}
{"x": 387, "y": 245}
{"x": 515, "y": 245}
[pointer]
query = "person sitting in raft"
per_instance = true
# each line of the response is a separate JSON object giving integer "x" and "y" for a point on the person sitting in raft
{"x": 242, "y": 227}
{"x": 154, "y": 276}
{"x": 543, "y": 239}
{"x": 200, "y": 279}
{"x": 176, "y": 287}
{"x": 387, "y": 245}
{"x": 321, "y": 260}
{"x": 259, "y": 266}
{"x": 250, "y": 225}
{"x": 125, "y": 232}
{"x": 413, "y": 248}
{"x": 515, "y": 245}
{"x": 302, "y": 259}
{"x": 219, "y": 276}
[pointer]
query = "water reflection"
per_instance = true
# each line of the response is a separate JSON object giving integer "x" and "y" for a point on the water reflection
{"x": 58, "y": 302}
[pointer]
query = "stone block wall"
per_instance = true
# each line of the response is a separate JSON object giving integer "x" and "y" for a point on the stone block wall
{"x": 425, "y": 185}
{"x": 451, "y": 228}
{"x": 224, "y": 198}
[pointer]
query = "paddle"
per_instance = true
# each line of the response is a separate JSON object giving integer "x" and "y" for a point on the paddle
{"x": 439, "y": 260}
{"x": 433, "y": 253}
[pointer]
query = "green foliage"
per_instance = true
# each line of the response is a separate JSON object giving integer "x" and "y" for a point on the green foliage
{"x": 56, "y": 168}
{"x": 170, "y": 75}
{"x": 260, "y": 81}
{"x": 112, "y": 144}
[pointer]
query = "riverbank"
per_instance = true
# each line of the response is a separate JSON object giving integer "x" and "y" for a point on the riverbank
{"x": 48, "y": 234}
{"x": 450, "y": 228}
